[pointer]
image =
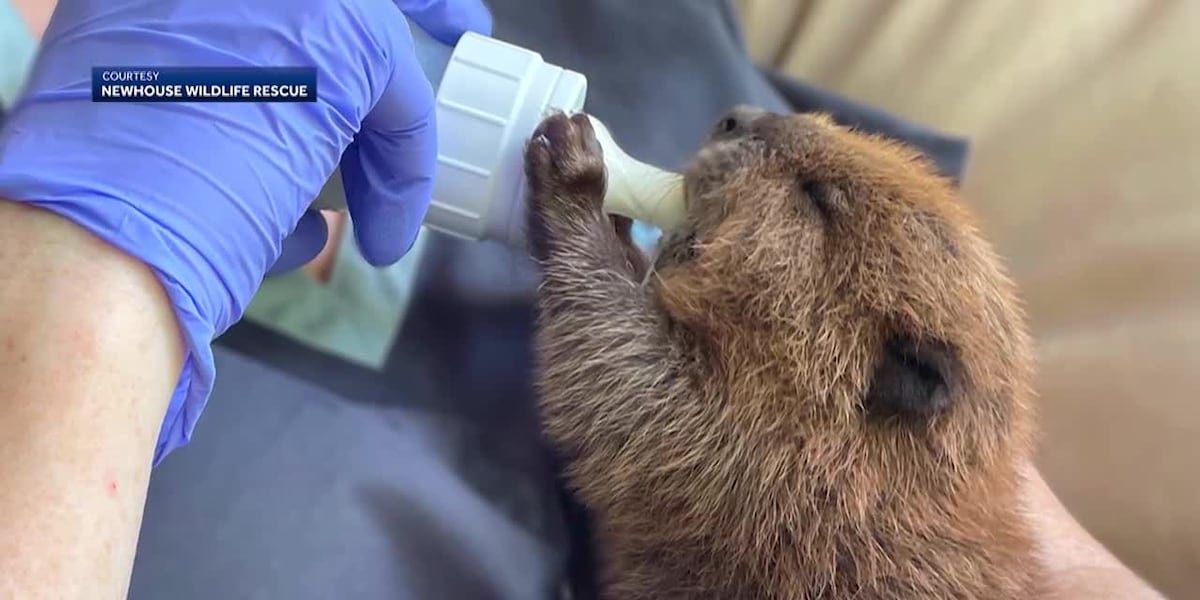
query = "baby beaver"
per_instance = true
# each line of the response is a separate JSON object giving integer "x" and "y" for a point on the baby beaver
{"x": 820, "y": 389}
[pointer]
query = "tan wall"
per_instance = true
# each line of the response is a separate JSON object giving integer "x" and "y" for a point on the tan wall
{"x": 1085, "y": 119}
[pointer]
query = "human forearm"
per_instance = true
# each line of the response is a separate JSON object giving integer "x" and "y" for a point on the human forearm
{"x": 1077, "y": 566}
{"x": 91, "y": 354}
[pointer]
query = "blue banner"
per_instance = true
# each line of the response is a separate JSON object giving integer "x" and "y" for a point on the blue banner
{"x": 204, "y": 84}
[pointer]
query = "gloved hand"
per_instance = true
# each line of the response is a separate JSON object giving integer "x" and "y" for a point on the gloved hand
{"x": 206, "y": 193}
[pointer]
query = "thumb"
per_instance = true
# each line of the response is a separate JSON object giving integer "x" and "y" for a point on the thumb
{"x": 387, "y": 170}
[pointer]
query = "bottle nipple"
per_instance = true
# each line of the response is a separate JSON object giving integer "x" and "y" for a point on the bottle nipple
{"x": 638, "y": 190}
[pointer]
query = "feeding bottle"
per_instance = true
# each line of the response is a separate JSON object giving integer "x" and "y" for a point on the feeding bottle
{"x": 490, "y": 96}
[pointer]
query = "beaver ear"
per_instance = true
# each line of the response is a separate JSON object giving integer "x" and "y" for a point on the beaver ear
{"x": 914, "y": 377}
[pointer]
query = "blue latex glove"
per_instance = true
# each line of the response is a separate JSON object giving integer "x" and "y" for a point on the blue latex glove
{"x": 206, "y": 193}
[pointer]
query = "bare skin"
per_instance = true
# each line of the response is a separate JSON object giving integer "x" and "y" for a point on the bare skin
{"x": 91, "y": 354}
{"x": 36, "y": 13}
{"x": 1077, "y": 566}
{"x": 819, "y": 392}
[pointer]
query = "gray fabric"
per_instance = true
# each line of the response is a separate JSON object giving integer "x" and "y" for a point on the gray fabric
{"x": 294, "y": 493}
{"x": 313, "y": 478}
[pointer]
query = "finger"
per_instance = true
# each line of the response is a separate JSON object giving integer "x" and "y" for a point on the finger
{"x": 303, "y": 245}
{"x": 387, "y": 171}
{"x": 447, "y": 20}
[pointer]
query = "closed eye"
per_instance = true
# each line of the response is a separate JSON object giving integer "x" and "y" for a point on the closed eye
{"x": 822, "y": 197}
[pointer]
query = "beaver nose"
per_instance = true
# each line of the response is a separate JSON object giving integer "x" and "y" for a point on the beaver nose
{"x": 738, "y": 122}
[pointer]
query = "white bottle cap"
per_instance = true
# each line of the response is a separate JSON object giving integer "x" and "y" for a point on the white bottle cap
{"x": 492, "y": 96}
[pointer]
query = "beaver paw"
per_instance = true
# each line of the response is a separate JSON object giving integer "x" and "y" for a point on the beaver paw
{"x": 565, "y": 167}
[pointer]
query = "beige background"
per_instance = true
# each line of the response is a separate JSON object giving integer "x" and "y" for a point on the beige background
{"x": 1085, "y": 115}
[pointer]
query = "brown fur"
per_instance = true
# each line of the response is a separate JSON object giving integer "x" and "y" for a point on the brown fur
{"x": 717, "y": 416}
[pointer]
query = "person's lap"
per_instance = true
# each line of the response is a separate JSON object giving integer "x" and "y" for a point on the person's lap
{"x": 293, "y": 492}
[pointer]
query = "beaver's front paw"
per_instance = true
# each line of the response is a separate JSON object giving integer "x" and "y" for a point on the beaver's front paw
{"x": 564, "y": 163}
{"x": 564, "y": 167}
